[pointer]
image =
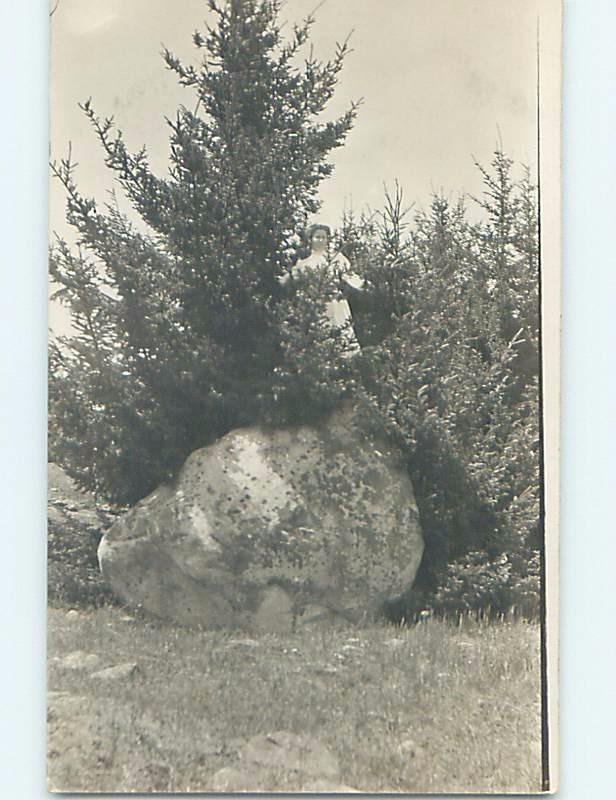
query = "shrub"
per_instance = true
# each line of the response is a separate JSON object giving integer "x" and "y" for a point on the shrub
{"x": 476, "y": 583}
{"x": 451, "y": 369}
{"x": 73, "y": 575}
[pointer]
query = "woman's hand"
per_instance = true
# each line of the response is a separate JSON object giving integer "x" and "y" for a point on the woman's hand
{"x": 353, "y": 280}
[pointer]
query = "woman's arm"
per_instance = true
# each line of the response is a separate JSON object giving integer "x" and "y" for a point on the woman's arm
{"x": 345, "y": 274}
{"x": 353, "y": 280}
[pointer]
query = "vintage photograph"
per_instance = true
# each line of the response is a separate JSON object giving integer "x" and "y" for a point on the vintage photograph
{"x": 303, "y": 303}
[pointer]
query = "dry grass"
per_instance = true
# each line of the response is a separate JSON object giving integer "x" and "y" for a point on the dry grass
{"x": 435, "y": 708}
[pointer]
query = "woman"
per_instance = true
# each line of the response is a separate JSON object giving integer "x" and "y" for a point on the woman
{"x": 340, "y": 276}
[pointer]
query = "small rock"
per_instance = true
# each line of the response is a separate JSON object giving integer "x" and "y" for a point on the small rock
{"x": 326, "y": 669}
{"x": 157, "y": 776}
{"x": 393, "y": 642}
{"x": 78, "y": 660}
{"x": 350, "y": 648}
{"x": 52, "y": 695}
{"x": 63, "y": 704}
{"x": 118, "y": 672}
{"x": 410, "y": 748}
{"x": 292, "y": 752}
{"x": 243, "y": 643}
{"x": 72, "y": 614}
{"x": 255, "y": 778}
{"x": 235, "y": 779}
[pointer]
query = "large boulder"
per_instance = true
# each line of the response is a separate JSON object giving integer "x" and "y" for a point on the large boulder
{"x": 267, "y": 529}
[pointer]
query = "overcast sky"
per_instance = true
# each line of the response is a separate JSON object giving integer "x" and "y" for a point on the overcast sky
{"x": 441, "y": 80}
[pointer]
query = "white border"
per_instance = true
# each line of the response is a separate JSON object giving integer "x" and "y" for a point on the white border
{"x": 23, "y": 340}
{"x": 549, "y": 101}
{"x": 588, "y": 540}
{"x": 588, "y": 444}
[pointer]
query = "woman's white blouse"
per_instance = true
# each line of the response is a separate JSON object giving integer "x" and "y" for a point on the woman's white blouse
{"x": 337, "y": 310}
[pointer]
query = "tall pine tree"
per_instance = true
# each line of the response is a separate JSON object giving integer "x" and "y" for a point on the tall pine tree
{"x": 176, "y": 338}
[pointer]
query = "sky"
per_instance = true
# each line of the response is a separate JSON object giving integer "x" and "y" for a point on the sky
{"x": 441, "y": 83}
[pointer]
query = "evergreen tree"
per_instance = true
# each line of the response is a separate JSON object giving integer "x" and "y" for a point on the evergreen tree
{"x": 453, "y": 374}
{"x": 177, "y": 320}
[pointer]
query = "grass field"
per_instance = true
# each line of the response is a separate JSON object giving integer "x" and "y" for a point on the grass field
{"x": 435, "y": 708}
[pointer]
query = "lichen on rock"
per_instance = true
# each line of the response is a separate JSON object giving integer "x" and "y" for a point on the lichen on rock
{"x": 266, "y": 526}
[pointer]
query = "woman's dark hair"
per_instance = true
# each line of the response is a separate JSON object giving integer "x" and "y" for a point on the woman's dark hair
{"x": 312, "y": 229}
{"x": 307, "y": 235}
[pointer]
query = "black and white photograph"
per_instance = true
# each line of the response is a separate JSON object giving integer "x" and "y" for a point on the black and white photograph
{"x": 304, "y": 276}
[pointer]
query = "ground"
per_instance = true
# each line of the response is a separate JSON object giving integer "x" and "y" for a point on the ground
{"x": 439, "y": 707}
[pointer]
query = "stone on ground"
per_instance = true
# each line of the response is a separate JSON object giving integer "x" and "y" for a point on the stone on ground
{"x": 117, "y": 673}
{"x": 236, "y": 779}
{"x": 281, "y": 761}
{"x": 78, "y": 660}
{"x": 270, "y": 529}
{"x": 291, "y": 752}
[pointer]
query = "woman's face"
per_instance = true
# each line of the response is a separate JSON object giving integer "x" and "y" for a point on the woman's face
{"x": 319, "y": 240}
